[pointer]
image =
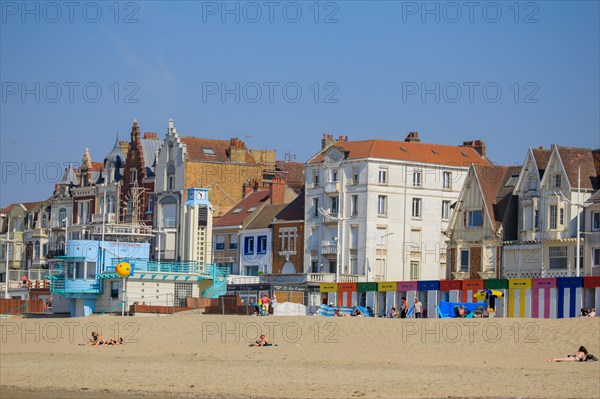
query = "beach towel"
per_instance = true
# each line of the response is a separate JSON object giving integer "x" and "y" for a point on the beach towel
{"x": 363, "y": 310}
{"x": 448, "y": 307}
{"x": 329, "y": 311}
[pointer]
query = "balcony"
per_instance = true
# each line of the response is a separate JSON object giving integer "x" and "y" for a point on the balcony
{"x": 538, "y": 273}
{"x": 109, "y": 218}
{"x": 301, "y": 278}
{"x": 123, "y": 229}
{"x": 332, "y": 187}
{"x": 329, "y": 247}
{"x": 331, "y": 218}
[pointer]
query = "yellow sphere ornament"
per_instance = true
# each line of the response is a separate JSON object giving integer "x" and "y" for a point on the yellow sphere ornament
{"x": 123, "y": 269}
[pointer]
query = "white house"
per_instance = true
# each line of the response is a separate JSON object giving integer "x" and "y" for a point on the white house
{"x": 484, "y": 216}
{"x": 592, "y": 234}
{"x": 379, "y": 208}
{"x": 552, "y": 188}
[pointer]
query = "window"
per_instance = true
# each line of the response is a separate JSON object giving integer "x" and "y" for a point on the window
{"x": 169, "y": 212}
{"x": 474, "y": 218}
{"x": 445, "y": 210}
{"x": 83, "y": 212}
{"x": 45, "y": 250}
{"x": 334, "y": 176}
{"x": 596, "y": 256}
{"x": 150, "y": 202}
{"x": 287, "y": 236}
{"x": 447, "y": 180}
{"x": 417, "y": 179}
{"x": 580, "y": 257}
{"x": 251, "y": 270}
{"x": 219, "y": 243}
{"x": 233, "y": 241}
{"x": 133, "y": 175}
{"x": 170, "y": 182}
{"x": 531, "y": 183}
{"x": 354, "y": 205}
{"x": 381, "y": 237}
{"x": 251, "y": 209}
{"x": 355, "y": 178}
{"x": 595, "y": 221}
{"x": 414, "y": 270}
{"x": 382, "y": 178}
{"x": 536, "y": 219}
{"x": 561, "y": 218}
{"x": 334, "y": 204}
{"x": 236, "y": 211}
{"x": 114, "y": 289}
{"x": 553, "y": 210}
{"x": 17, "y": 252}
{"x": 558, "y": 257}
{"x": 36, "y": 250}
{"x": 315, "y": 179}
{"x": 464, "y": 260}
{"x": 208, "y": 151}
{"x": 130, "y": 206}
{"x": 354, "y": 237}
{"x": 62, "y": 215}
{"x": 248, "y": 245}
{"x": 382, "y": 205}
{"x": 262, "y": 245}
{"x": 557, "y": 181}
{"x": 416, "y": 207}
{"x": 315, "y": 205}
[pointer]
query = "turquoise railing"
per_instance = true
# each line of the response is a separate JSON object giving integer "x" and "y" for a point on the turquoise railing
{"x": 219, "y": 286}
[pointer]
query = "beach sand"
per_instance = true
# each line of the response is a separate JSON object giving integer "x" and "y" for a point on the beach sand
{"x": 196, "y": 355}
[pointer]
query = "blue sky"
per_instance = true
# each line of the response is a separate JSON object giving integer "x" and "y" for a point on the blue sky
{"x": 368, "y": 61}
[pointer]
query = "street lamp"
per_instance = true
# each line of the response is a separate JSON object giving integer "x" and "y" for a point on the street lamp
{"x": 339, "y": 221}
{"x": 376, "y": 245}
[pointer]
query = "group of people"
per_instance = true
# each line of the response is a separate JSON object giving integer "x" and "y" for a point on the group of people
{"x": 99, "y": 340}
{"x": 404, "y": 308}
{"x": 263, "y": 304}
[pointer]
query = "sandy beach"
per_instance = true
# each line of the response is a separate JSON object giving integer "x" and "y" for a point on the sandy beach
{"x": 196, "y": 355}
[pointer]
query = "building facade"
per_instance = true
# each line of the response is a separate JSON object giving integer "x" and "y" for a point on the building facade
{"x": 379, "y": 209}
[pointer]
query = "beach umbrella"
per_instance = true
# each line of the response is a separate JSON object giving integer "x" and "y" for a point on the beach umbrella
{"x": 487, "y": 294}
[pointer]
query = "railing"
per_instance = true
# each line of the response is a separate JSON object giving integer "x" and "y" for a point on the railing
{"x": 144, "y": 265}
{"x": 300, "y": 278}
{"x": 539, "y": 274}
{"x": 119, "y": 229}
{"x": 108, "y": 217}
{"x": 244, "y": 279}
{"x": 329, "y": 247}
{"x": 219, "y": 286}
{"x": 331, "y": 218}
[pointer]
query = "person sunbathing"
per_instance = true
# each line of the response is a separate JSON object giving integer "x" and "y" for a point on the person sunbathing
{"x": 96, "y": 340}
{"x": 114, "y": 341}
{"x": 580, "y": 356}
{"x": 263, "y": 340}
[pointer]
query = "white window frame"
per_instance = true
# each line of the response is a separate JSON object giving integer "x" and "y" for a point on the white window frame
{"x": 354, "y": 205}
{"x": 415, "y": 270}
{"x": 470, "y": 219}
{"x": 382, "y": 205}
{"x": 382, "y": 176}
{"x": 445, "y": 210}
{"x": 417, "y": 208}
{"x": 466, "y": 268}
{"x": 447, "y": 180}
{"x": 417, "y": 178}
{"x": 595, "y": 221}
{"x": 553, "y": 218}
{"x": 596, "y": 257}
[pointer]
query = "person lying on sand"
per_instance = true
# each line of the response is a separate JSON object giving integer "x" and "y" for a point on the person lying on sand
{"x": 96, "y": 340}
{"x": 114, "y": 341}
{"x": 580, "y": 356}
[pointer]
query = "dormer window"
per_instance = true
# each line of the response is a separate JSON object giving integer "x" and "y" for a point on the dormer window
{"x": 208, "y": 151}
{"x": 557, "y": 181}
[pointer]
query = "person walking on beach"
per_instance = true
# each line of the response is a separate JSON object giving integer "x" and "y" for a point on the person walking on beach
{"x": 418, "y": 308}
{"x": 265, "y": 304}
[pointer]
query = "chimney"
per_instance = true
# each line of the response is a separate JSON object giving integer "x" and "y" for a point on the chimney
{"x": 237, "y": 150}
{"x": 247, "y": 189}
{"x": 150, "y": 135}
{"x": 277, "y": 188}
{"x": 412, "y": 137}
{"x": 477, "y": 145}
{"x": 326, "y": 141}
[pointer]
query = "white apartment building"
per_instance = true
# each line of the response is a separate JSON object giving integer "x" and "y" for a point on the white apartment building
{"x": 553, "y": 187}
{"x": 379, "y": 209}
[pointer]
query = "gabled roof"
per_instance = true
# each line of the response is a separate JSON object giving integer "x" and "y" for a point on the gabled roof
{"x": 220, "y": 150}
{"x": 496, "y": 183}
{"x": 294, "y": 211}
{"x": 406, "y": 151}
{"x": 30, "y": 206}
{"x": 584, "y": 158}
{"x": 541, "y": 157}
{"x": 69, "y": 177}
{"x": 292, "y": 172}
{"x": 239, "y": 212}
{"x": 265, "y": 216}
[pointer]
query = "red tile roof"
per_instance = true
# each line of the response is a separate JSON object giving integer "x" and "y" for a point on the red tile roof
{"x": 220, "y": 148}
{"x": 541, "y": 157}
{"x": 32, "y": 205}
{"x": 584, "y": 158}
{"x": 97, "y": 167}
{"x": 234, "y": 217}
{"x": 292, "y": 173}
{"x": 407, "y": 151}
{"x": 6, "y": 210}
{"x": 493, "y": 183}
